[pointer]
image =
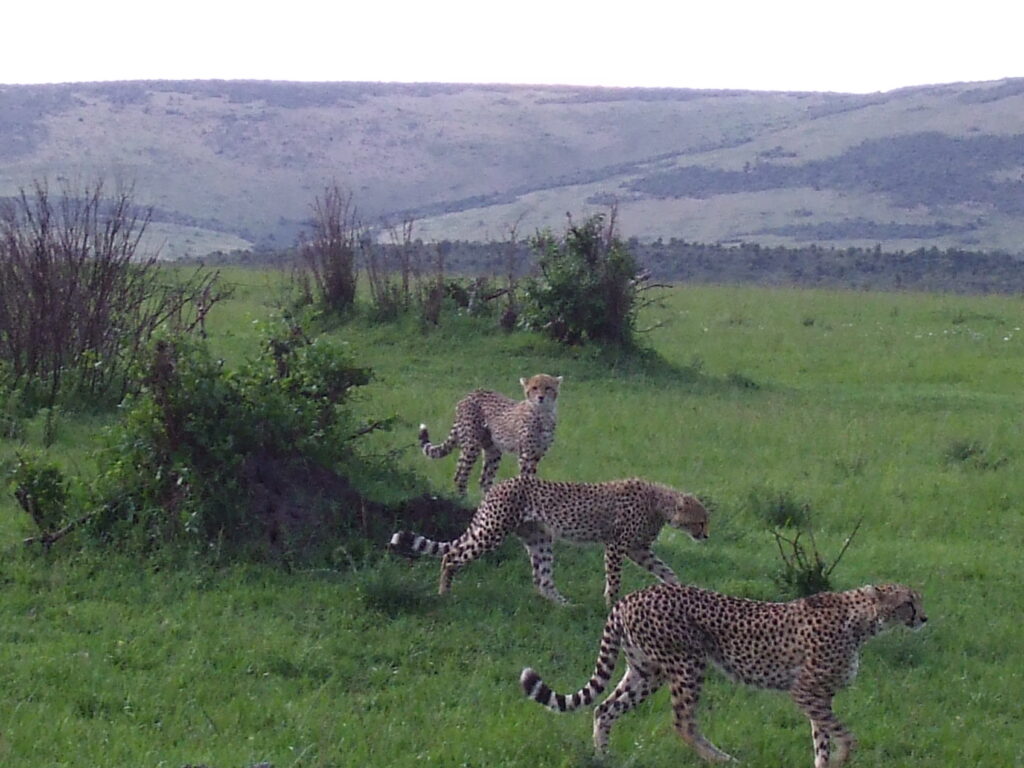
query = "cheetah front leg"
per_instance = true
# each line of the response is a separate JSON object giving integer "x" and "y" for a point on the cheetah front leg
{"x": 528, "y": 463}
{"x": 645, "y": 558}
{"x": 612, "y": 573}
{"x": 538, "y": 545}
{"x": 826, "y": 729}
{"x": 686, "y": 679}
{"x": 492, "y": 460}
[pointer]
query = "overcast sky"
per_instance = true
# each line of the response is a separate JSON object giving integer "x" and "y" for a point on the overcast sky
{"x": 819, "y": 45}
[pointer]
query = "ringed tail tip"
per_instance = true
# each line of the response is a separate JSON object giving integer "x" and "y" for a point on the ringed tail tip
{"x": 529, "y": 680}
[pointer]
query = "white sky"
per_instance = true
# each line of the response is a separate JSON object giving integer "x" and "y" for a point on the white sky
{"x": 816, "y": 45}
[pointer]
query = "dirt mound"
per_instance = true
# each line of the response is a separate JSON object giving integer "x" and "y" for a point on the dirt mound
{"x": 299, "y": 506}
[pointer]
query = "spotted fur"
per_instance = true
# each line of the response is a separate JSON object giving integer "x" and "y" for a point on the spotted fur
{"x": 624, "y": 515}
{"x": 808, "y": 647}
{"x": 490, "y": 422}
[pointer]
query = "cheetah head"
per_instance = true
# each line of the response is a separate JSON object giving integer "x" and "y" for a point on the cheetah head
{"x": 689, "y": 515}
{"x": 898, "y": 604}
{"x": 542, "y": 389}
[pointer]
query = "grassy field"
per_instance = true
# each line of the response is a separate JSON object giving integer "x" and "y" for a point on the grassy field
{"x": 903, "y": 410}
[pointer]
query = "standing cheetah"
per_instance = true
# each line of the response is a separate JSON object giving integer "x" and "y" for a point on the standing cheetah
{"x": 624, "y": 515}
{"x": 490, "y": 422}
{"x": 807, "y": 647}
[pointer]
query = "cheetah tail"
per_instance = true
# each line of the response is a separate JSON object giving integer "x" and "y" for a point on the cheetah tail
{"x": 535, "y": 688}
{"x": 407, "y": 543}
{"x": 442, "y": 449}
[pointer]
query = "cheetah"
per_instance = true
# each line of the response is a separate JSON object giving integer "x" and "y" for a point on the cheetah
{"x": 624, "y": 515}
{"x": 490, "y": 422}
{"x": 807, "y": 647}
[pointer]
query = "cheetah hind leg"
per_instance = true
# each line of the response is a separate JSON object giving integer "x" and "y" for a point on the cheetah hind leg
{"x": 542, "y": 559}
{"x": 635, "y": 686}
{"x": 467, "y": 458}
{"x": 687, "y": 679}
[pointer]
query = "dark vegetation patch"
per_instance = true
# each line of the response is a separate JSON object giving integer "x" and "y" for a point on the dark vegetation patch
{"x": 950, "y": 270}
{"x": 928, "y": 168}
{"x": 301, "y": 509}
{"x": 1005, "y": 90}
{"x": 866, "y": 229}
{"x": 972, "y": 454}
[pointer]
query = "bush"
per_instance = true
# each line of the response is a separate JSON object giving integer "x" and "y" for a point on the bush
{"x": 589, "y": 286}
{"x": 803, "y": 569}
{"x": 80, "y": 302}
{"x": 225, "y": 459}
{"x": 778, "y": 509}
{"x": 41, "y": 491}
{"x": 327, "y": 261}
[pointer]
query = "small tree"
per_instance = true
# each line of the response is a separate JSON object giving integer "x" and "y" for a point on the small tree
{"x": 330, "y": 255}
{"x": 589, "y": 285}
{"x": 394, "y": 272}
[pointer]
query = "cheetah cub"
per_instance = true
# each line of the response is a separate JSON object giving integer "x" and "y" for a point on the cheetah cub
{"x": 624, "y": 515}
{"x": 807, "y": 647}
{"x": 490, "y": 422}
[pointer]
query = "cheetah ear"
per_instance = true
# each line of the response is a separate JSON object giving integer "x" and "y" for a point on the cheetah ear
{"x": 558, "y": 379}
{"x": 522, "y": 382}
{"x": 872, "y": 592}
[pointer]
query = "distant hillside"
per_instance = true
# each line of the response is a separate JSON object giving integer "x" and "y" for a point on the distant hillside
{"x": 234, "y": 164}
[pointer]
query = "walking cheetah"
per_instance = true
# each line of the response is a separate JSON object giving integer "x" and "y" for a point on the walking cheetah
{"x": 624, "y": 515}
{"x": 490, "y": 422}
{"x": 807, "y": 647}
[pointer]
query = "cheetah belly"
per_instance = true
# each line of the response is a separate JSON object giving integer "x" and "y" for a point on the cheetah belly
{"x": 576, "y": 532}
{"x": 762, "y": 662}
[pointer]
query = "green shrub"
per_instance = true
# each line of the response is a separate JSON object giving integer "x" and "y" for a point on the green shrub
{"x": 778, "y": 509}
{"x": 589, "y": 286}
{"x": 227, "y": 459}
{"x": 12, "y": 424}
{"x": 971, "y": 453}
{"x": 41, "y": 490}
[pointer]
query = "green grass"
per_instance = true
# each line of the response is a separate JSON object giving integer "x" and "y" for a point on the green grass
{"x": 903, "y": 409}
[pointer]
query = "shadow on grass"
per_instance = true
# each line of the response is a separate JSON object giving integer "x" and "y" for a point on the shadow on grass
{"x": 388, "y": 589}
{"x": 595, "y": 362}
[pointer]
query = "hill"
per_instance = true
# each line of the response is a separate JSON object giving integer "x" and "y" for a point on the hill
{"x": 234, "y": 164}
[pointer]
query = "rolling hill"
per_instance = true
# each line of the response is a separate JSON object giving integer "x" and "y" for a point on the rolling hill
{"x": 236, "y": 164}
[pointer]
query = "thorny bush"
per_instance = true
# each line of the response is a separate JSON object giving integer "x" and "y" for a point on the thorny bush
{"x": 79, "y": 299}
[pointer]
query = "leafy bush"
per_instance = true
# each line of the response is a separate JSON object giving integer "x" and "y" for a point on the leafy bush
{"x": 12, "y": 425}
{"x": 589, "y": 286}
{"x": 42, "y": 492}
{"x": 778, "y": 509}
{"x": 226, "y": 458}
